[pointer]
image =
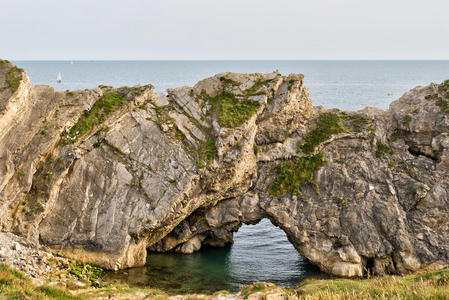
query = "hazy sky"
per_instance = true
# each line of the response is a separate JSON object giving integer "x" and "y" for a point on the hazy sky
{"x": 224, "y": 29}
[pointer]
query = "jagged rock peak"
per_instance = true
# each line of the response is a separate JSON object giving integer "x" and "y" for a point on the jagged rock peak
{"x": 102, "y": 175}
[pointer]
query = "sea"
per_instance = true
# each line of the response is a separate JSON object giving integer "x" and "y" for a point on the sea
{"x": 260, "y": 252}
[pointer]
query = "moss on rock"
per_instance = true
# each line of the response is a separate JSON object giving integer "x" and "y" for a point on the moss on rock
{"x": 13, "y": 78}
{"x": 230, "y": 111}
{"x": 99, "y": 112}
{"x": 327, "y": 124}
{"x": 291, "y": 174}
{"x": 87, "y": 273}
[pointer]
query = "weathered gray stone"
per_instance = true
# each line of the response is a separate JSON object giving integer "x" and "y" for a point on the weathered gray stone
{"x": 164, "y": 173}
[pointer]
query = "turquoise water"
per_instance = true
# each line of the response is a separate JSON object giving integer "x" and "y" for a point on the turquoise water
{"x": 261, "y": 252}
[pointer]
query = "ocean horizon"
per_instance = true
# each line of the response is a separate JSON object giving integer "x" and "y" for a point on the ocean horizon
{"x": 345, "y": 84}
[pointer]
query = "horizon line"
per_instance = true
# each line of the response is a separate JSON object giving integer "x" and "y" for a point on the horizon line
{"x": 229, "y": 59}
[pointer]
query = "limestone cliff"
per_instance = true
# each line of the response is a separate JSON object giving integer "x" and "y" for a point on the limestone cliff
{"x": 102, "y": 175}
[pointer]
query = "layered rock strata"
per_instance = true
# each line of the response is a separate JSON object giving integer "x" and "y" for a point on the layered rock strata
{"x": 102, "y": 175}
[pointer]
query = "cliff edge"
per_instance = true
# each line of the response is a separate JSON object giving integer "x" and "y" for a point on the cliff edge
{"x": 102, "y": 175}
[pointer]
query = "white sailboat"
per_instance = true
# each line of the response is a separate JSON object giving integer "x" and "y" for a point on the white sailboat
{"x": 59, "y": 78}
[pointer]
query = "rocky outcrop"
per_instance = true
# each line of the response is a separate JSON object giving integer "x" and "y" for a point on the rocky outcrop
{"x": 102, "y": 175}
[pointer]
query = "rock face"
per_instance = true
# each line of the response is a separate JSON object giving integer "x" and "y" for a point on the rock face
{"x": 102, "y": 175}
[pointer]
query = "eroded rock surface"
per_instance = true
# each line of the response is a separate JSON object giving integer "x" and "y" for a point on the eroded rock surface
{"x": 102, "y": 175}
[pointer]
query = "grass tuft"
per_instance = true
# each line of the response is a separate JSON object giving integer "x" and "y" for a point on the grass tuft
{"x": 406, "y": 120}
{"x": 357, "y": 122}
{"x": 228, "y": 81}
{"x": 99, "y": 112}
{"x": 13, "y": 78}
{"x": 87, "y": 273}
{"x": 326, "y": 125}
{"x": 382, "y": 149}
{"x": 206, "y": 153}
{"x": 14, "y": 285}
{"x": 433, "y": 285}
{"x": 230, "y": 111}
{"x": 291, "y": 174}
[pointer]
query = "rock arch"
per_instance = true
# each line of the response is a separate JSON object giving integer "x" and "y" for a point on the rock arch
{"x": 365, "y": 189}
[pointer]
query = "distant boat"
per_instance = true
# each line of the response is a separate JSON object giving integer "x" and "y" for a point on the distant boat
{"x": 390, "y": 94}
{"x": 59, "y": 78}
{"x": 71, "y": 62}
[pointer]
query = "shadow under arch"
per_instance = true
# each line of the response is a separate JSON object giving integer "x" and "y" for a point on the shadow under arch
{"x": 259, "y": 252}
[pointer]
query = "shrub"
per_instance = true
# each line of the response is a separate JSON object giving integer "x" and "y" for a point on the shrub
{"x": 230, "y": 111}
{"x": 256, "y": 149}
{"x": 295, "y": 172}
{"x": 87, "y": 273}
{"x": 13, "y": 78}
{"x": 327, "y": 124}
{"x": 206, "y": 153}
{"x": 406, "y": 120}
{"x": 382, "y": 148}
{"x": 357, "y": 122}
{"x": 228, "y": 81}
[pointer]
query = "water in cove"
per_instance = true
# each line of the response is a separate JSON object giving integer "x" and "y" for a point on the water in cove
{"x": 259, "y": 253}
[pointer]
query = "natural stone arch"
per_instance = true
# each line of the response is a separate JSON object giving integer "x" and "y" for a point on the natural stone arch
{"x": 158, "y": 164}
{"x": 215, "y": 227}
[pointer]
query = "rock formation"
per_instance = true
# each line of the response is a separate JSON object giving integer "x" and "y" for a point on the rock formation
{"x": 102, "y": 175}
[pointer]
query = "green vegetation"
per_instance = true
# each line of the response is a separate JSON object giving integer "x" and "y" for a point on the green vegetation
{"x": 291, "y": 174}
{"x": 228, "y": 81}
{"x": 48, "y": 175}
{"x": 357, "y": 122}
{"x": 162, "y": 115}
{"x": 99, "y": 112}
{"x": 433, "y": 285}
{"x": 254, "y": 90}
{"x": 326, "y": 125}
{"x": 254, "y": 288}
{"x": 172, "y": 180}
{"x": 395, "y": 136}
{"x": 206, "y": 153}
{"x": 230, "y": 111}
{"x": 87, "y": 273}
{"x": 14, "y": 285}
{"x": 412, "y": 192}
{"x": 20, "y": 173}
{"x": 69, "y": 93}
{"x": 382, "y": 149}
{"x": 13, "y": 78}
{"x": 426, "y": 286}
{"x": 406, "y": 120}
{"x": 256, "y": 149}
{"x": 444, "y": 105}
{"x": 290, "y": 84}
{"x": 444, "y": 88}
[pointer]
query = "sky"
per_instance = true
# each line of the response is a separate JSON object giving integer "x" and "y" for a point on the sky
{"x": 223, "y": 29}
